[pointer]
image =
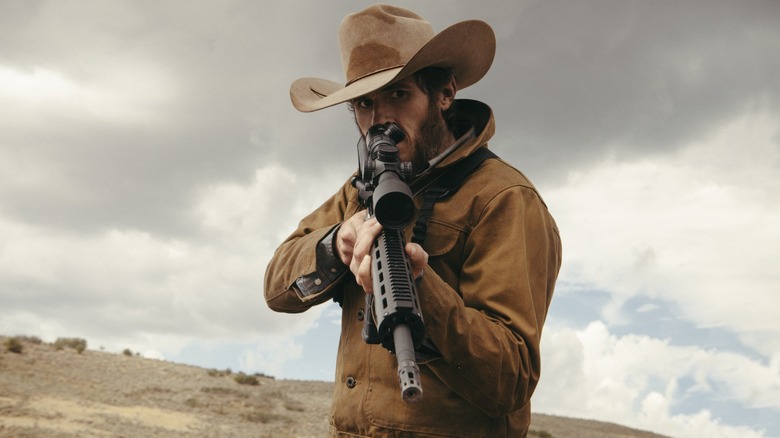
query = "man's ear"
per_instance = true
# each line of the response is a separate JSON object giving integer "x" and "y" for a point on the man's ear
{"x": 447, "y": 95}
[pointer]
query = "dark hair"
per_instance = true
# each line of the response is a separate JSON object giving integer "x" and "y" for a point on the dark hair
{"x": 432, "y": 81}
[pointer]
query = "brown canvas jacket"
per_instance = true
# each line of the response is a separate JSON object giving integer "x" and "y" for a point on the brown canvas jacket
{"x": 495, "y": 253}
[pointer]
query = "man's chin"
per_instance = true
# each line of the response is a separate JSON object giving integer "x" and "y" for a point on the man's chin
{"x": 404, "y": 150}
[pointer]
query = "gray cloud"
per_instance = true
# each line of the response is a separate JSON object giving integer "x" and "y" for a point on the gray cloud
{"x": 571, "y": 82}
{"x": 629, "y": 77}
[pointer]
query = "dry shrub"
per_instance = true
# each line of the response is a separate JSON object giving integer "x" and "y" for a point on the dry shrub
{"x": 264, "y": 417}
{"x": 245, "y": 379}
{"x": 14, "y": 345}
{"x": 77, "y": 344}
{"x": 217, "y": 373}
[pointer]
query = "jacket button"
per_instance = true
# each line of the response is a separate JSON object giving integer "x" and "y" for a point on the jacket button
{"x": 361, "y": 314}
{"x": 351, "y": 382}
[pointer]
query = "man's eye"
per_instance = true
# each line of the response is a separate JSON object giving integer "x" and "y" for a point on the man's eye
{"x": 363, "y": 104}
{"x": 397, "y": 94}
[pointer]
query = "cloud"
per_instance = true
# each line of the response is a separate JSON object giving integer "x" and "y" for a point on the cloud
{"x": 125, "y": 288}
{"x": 640, "y": 381}
{"x": 691, "y": 229}
{"x": 694, "y": 227}
{"x": 122, "y": 123}
{"x": 626, "y": 78}
{"x": 271, "y": 355}
{"x": 129, "y": 282}
{"x": 122, "y": 285}
{"x": 124, "y": 95}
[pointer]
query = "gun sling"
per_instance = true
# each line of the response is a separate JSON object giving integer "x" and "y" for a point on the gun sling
{"x": 444, "y": 186}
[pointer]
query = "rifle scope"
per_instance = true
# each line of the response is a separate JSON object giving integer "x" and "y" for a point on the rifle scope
{"x": 392, "y": 200}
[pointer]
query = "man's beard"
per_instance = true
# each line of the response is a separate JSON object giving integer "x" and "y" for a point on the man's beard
{"x": 433, "y": 133}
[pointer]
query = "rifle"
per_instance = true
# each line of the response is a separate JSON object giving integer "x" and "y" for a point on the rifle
{"x": 393, "y": 317}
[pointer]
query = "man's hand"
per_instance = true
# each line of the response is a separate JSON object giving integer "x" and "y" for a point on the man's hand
{"x": 354, "y": 241}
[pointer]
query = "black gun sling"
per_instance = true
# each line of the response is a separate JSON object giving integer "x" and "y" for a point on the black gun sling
{"x": 444, "y": 186}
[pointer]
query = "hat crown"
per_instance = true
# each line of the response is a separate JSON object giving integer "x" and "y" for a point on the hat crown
{"x": 379, "y": 38}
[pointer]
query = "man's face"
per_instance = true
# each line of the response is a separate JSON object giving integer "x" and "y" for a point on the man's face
{"x": 418, "y": 115}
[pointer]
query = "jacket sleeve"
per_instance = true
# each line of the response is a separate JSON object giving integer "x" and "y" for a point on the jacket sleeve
{"x": 488, "y": 332}
{"x": 304, "y": 269}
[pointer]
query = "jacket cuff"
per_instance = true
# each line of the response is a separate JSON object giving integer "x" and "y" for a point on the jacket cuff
{"x": 329, "y": 268}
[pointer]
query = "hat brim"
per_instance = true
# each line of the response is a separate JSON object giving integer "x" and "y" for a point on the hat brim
{"x": 468, "y": 48}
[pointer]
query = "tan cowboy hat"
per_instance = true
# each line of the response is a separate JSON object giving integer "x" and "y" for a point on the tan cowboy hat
{"x": 383, "y": 44}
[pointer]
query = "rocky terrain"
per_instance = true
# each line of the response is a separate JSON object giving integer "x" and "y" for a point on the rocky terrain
{"x": 49, "y": 391}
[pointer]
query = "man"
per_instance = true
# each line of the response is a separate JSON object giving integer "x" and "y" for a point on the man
{"x": 486, "y": 269}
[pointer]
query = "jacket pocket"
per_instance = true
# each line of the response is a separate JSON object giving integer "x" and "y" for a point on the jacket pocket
{"x": 442, "y": 238}
{"x": 444, "y": 245}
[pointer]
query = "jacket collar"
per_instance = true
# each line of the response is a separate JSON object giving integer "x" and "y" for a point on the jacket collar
{"x": 472, "y": 114}
{"x": 477, "y": 126}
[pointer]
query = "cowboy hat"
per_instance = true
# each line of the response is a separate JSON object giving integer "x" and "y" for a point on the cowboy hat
{"x": 383, "y": 44}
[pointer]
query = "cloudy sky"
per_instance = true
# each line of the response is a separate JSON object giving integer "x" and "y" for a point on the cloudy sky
{"x": 151, "y": 162}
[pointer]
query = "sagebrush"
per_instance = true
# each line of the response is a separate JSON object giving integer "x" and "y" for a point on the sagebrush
{"x": 77, "y": 344}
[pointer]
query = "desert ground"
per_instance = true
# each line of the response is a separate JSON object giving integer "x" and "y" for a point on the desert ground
{"x": 49, "y": 391}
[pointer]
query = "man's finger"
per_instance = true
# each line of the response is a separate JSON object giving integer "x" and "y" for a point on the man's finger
{"x": 363, "y": 276}
{"x": 417, "y": 257}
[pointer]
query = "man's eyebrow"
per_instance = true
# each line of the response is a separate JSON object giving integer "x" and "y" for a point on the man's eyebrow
{"x": 402, "y": 84}
{"x": 394, "y": 87}
{"x": 387, "y": 88}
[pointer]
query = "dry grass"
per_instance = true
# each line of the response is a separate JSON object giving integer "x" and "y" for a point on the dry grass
{"x": 47, "y": 393}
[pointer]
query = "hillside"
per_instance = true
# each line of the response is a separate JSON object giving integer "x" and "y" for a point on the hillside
{"x": 46, "y": 393}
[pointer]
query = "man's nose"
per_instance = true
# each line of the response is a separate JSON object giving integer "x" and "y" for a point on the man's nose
{"x": 380, "y": 114}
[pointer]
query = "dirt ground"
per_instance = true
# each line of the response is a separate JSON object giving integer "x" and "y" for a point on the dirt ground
{"x": 48, "y": 393}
